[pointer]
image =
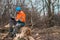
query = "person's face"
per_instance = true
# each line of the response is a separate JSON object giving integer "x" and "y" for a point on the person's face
{"x": 17, "y": 11}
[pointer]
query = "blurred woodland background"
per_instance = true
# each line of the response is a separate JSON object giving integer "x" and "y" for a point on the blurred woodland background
{"x": 40, "y": 13}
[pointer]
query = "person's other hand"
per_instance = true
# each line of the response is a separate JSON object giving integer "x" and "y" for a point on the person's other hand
{"x": 16, "y": 19}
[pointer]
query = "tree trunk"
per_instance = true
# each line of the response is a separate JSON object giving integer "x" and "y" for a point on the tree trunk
{"x": 50, "y": 15}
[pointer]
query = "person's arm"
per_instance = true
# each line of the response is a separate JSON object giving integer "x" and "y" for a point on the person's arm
{"x": 24, "y": 18}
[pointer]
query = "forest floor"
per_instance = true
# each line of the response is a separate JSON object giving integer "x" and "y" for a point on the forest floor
{"x": 52, "y": 33}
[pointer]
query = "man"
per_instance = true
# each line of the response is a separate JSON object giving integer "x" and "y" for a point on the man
{"x": 20, "y": 20}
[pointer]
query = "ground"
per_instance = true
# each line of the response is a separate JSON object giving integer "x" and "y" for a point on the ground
{"x": 52, "y": 33}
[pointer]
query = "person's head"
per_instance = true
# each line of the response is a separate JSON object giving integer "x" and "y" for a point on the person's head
{"x": 18, "y": 9}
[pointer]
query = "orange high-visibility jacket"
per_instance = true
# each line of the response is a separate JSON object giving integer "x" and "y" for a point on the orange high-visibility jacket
{"x": 21, "y": 16}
